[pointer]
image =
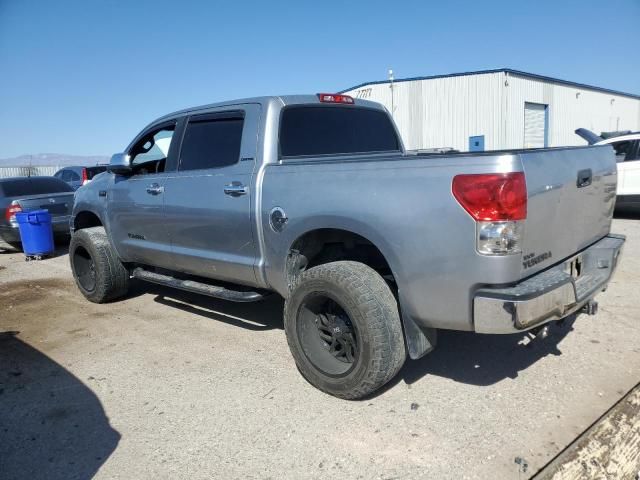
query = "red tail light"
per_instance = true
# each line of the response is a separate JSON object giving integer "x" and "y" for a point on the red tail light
{"x": 492, "y": 197}
{"x": 85, "y": 178}
{"x": 335, "y": 98}
{"x": 10, "y": 213}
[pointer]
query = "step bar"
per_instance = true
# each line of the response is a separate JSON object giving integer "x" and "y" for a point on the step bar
{"x": 198, "y": 287}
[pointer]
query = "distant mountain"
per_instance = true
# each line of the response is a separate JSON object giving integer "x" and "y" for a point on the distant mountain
{"x": 54, "y": 159}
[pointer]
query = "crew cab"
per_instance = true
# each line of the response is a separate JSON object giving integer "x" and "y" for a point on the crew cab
{"x": 313, "y": 197}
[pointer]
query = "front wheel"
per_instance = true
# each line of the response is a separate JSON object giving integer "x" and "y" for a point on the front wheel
{"x": 96, "y": 268}
{"x": 343, "y": 329}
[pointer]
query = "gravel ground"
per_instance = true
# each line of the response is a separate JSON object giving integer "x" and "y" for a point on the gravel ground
{"x": 168, "y": 385}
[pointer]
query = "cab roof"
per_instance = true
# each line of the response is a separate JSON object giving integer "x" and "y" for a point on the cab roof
{"x": 266, "y": 101}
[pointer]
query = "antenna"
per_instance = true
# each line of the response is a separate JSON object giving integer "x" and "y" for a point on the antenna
{"x": 391, "y": 87}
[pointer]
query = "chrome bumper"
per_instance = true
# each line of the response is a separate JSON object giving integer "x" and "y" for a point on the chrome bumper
{"x": 550, "y": 295}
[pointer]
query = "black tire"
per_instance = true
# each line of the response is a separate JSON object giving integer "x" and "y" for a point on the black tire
{"x": 10, "y": 246}
{"x": 98, "y": 272}
{"x": 367, "y": 311}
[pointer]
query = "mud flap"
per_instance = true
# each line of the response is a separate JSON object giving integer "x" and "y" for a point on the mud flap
{"x": 420, "y": 340}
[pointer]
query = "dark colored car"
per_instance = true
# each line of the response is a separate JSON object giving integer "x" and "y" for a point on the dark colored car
{"x": 22, "y": 194}
{"x": 78, "y": 176}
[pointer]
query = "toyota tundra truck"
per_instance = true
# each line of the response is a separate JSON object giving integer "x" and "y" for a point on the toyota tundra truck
{"x": 374, "y": 249}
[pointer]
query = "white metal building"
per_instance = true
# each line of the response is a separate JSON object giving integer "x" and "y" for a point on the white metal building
{"x": 499, "y": 109}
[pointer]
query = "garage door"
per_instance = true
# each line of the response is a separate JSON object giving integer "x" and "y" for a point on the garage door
{"x": 535, "y": 125}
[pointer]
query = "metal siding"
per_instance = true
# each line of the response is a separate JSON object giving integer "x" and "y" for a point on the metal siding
{"x": 442, "y": 112}
{"x": 446, "y": 111}
{"x": 569, "y": 108}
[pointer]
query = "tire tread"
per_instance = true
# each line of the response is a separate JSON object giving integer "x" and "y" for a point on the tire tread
{"x": 379, "y": 308}
{"x": 112, "y": 278}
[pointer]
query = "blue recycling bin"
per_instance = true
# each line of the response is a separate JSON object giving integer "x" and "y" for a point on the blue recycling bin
{"x": 36, "y": 232}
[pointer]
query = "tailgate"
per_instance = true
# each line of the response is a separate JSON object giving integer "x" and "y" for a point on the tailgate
{"x": 572, "y": 193}
{"x": 58, "y": 204}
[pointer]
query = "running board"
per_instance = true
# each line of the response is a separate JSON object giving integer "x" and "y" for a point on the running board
{"x": 197, "y": 287}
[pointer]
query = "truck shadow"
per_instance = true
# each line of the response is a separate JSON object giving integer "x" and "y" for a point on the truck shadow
{"x": 464, "y": 357}
{"x": 483, "y": 360}
{"x": 51, "y": 425}
{"x": 257, "y": 316}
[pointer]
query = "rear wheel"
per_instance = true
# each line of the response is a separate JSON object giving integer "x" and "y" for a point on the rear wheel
{"x": 98, "y": 272}
{"x": 344, "y": 330}
{"x": 10, "y": 246}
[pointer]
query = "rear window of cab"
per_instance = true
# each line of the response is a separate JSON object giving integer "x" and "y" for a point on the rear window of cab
{"x": 310, "y": 130}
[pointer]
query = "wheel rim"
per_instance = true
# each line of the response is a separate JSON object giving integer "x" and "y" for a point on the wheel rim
{"x": 327, "y": 335}
{"x": 85, "y": 269}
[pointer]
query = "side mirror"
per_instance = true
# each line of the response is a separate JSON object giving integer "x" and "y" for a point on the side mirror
{"x": 120, "y": 164}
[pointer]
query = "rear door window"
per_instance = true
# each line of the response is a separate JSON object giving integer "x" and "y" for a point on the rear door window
{"x": 212, "y": 141}
{"x": 334, "y": 130}
{"x": 634, "y": 152}
{"x": 624, "y": 150}
{"x": 70, "y": 176}
{"x": 24, "y": 187}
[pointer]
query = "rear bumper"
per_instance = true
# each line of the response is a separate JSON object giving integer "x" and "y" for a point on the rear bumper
{"x": 60, "y": 225}
{"x": 549, "y": 295}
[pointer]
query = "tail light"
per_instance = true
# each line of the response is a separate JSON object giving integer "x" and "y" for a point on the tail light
{"x": 335, "y": 98}
{"x": 10, "y": 212}
{"x": 498, "y": 204}
{"x": 85, "y": 178}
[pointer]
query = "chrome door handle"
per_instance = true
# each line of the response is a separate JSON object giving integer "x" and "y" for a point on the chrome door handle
{"x": 235, "y": 189}
{"x": 155, "y": 189}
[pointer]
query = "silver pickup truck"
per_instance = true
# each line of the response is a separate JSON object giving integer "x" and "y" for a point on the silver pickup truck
{"x": 373, "y": 249}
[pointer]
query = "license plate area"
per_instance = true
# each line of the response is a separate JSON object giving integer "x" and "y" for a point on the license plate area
{"x": 574, "y": 267}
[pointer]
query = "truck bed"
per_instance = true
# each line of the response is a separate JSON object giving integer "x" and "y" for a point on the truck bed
{"x": 404, "y": 205}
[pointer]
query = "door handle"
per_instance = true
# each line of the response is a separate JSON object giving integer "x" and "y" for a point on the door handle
{"x": 584, "y": 178}
{"x": 235, "y": 189}
{"x": 155, "y": 189}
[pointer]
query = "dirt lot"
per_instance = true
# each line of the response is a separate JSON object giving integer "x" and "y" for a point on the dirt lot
{"x": 167, "y": 385}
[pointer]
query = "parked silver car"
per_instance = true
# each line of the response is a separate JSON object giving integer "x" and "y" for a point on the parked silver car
{"x": 33, "y": 193}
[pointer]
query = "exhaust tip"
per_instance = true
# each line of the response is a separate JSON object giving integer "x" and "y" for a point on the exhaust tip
{"x": 590, "y": 308}
{"x": 540, "y": 332}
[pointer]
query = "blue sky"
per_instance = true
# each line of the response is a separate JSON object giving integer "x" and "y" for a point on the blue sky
{"x": 83, "y": 77}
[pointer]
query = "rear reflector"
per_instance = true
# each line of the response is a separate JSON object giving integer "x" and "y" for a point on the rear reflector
{"x": 10, "y": 213}
{"x": 492, "y": 197}
{"x": 335, "y": 98}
